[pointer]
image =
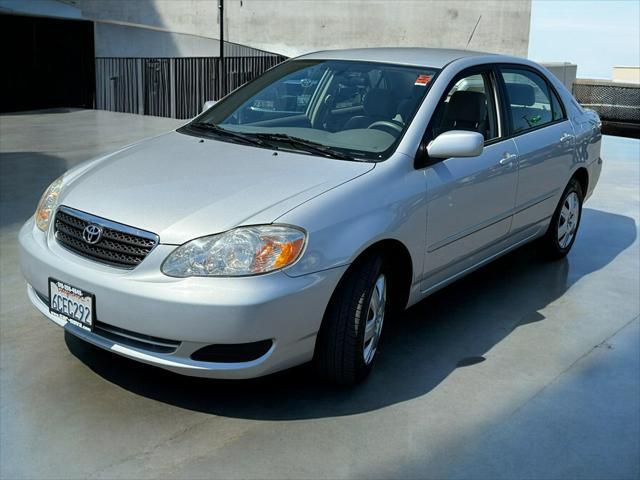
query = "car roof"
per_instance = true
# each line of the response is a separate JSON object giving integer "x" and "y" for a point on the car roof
{"x": 423, "y": 57}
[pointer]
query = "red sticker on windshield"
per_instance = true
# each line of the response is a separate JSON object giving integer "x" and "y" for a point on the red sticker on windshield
{"x": 422, "y": 80}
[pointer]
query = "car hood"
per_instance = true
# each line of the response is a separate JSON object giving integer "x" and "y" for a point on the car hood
{"x": 182, "y": 187}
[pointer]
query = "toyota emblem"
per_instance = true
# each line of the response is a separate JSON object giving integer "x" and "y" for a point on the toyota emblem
{"x": 92, "y": 233}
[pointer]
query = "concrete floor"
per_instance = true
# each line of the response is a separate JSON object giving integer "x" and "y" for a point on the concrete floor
{"x": 525, "y": 369}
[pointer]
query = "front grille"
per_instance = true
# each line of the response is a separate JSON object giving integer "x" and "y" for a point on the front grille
{"x": 119, "y": 245}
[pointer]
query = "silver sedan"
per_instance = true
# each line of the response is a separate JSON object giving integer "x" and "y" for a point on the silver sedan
{"x": 289, "y": 220}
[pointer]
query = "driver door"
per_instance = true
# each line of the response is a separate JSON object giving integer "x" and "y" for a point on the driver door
{"x": 470, "y": 201}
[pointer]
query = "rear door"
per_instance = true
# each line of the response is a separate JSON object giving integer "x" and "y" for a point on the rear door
{"x": 545, "y": 141}
{"x": 470, "y": 200}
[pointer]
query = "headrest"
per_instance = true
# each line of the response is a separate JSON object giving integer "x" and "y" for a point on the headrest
{"x": 521, "y": 94}
{"x": 378, "y": 103}
{"x": 467, "y": 106}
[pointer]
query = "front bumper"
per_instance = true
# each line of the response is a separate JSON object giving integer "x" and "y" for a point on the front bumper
{"x": 190, "y": 312}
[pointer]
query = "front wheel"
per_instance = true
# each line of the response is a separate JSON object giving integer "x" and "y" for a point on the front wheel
{"x": 350, "y": 334}
{"x": 565, "y": 222}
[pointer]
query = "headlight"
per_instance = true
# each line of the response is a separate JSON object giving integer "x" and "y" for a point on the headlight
{"x": 47, "y": 203}
{"x": 238, "y": 252}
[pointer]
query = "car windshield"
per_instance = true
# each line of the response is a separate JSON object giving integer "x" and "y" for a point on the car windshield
{"x": 341, "y": 109}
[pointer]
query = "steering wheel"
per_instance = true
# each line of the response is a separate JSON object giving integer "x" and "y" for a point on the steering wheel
{"x": 389, "y": 126}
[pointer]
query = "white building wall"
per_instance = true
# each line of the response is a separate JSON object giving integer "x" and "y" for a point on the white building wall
{"x": 292, "y": 27}
{"x": 626, "y": 74}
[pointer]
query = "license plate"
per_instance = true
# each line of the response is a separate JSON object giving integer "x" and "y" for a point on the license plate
{"x": 72, "y": 304}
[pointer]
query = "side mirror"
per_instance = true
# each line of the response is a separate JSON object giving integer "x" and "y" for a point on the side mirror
{"x": 208, "y": 104}
{"x": 456, "y": 143}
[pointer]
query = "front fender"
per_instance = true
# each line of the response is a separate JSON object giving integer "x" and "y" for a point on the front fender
{"x": 386, "y": 203}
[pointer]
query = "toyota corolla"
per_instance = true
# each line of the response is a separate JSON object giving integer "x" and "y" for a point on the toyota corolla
{"x": 286, "y": 222}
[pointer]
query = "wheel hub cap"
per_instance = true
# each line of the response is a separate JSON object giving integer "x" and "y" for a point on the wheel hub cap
{"x": 375, "y": 319}
{"x": 568, "y": 221}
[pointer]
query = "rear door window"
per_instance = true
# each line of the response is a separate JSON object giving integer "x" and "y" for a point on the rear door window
{"x": 531, "y": 102}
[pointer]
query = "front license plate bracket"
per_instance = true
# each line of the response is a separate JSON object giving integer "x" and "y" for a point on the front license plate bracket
{"x": 75, "y": 305}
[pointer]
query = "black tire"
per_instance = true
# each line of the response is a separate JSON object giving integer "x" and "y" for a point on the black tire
{"x": 339, "y": 348}
{"x": 550, "y": 243}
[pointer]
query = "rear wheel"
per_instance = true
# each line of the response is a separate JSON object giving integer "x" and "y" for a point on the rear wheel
{"x": 565, "y": 222}
{"x": 351, "y": 330}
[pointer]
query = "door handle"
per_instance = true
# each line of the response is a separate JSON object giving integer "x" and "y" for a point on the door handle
{"x": 566, "y": 137}
{"x": 507, "y": 158}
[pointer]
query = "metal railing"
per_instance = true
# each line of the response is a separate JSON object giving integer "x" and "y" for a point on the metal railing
{"x": 172, "y": 87}
{"x": 614, "y": 101}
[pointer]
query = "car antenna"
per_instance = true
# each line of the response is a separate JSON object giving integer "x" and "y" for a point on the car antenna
{"x": 473, "y": 32}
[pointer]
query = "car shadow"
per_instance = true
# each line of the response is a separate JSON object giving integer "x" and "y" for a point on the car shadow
{"x": 453, "y": 328}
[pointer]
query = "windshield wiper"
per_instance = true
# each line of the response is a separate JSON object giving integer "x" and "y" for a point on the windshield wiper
{"x": 248, "y": 139}
{"x": 305, "y": 145}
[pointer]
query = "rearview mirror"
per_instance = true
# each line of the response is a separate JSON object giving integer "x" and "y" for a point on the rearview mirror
{"x": 456, "y": 143}
{"x": 208, "y": 104}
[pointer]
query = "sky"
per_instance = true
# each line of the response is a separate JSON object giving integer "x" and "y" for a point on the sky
{"x": 594, "y": 34}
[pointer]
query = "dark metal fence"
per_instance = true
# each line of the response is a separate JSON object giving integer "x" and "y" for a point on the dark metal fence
{"x": 172, "y": 87}
{"x": 616, "y": 102}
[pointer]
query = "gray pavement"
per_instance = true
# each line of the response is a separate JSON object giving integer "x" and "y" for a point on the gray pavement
{"x": 524, "y": 369}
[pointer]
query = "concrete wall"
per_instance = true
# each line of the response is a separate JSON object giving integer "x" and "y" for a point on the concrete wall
{"x": 113, "y": 40}
{"x": 195, "y": 17}
{"x": 45, "y": 8}
{"x": 292, "y": 27}
{"x": 566, "y": 72}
